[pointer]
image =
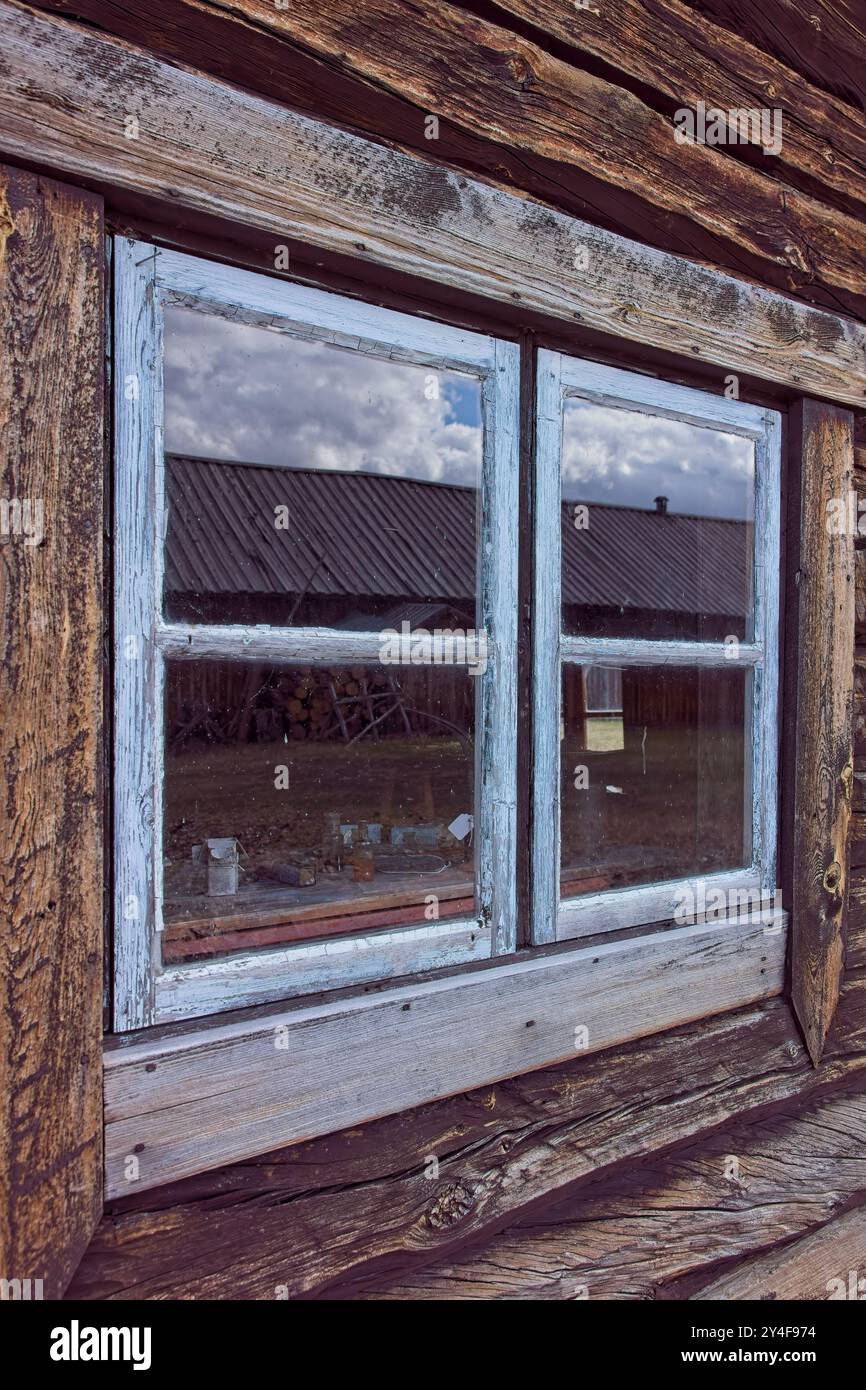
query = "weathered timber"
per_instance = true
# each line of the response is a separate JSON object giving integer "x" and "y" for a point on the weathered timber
{"x": 51, "y": 403}
{"x": 517, "y": 94}
{"x": 653, "y": 1231}
{"x": 363, "y": 1201}
{"x": 860, "y": 704}
{"x": 822, "y": 441}
{"x": 215, "y": 150}
{"x": 824, "y": 39}
{"x": 681, "y": 59}
{"x": 312, "y": 69}
{"x": 190, "y": 1100}
{"x": 818, "y": 1266}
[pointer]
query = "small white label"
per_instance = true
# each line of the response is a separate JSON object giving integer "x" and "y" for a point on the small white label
{"x": 616, "y": 790}
{"x": 461, "y": 826}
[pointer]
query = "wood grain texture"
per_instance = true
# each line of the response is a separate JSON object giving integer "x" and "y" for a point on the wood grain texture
{"x": 822, "y": 441}
{"x": 213, "y": 149}
{"x": 676, "y": 54}
{"x": 823, "y": 39}
{"x": 367, "y": 1201}
{"x": 663, "y": 1228}
{"x": 191, "y": 1101}
{"x": 500, "y": 86}
{"x": 51, "y": 407}
{"x": 818, "y": 1266}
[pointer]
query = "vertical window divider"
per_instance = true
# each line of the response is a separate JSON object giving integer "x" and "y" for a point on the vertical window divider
{"x": 546, "y": 680}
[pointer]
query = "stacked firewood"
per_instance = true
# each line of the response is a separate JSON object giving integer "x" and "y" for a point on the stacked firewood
{"x": 304, "y": 702}
{"x": 337, "y": 702}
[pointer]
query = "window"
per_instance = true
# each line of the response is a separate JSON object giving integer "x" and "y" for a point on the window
{"x": 316, "y": 581}
{"x": 655, "y": 650}
{"x": 316, "y": 645}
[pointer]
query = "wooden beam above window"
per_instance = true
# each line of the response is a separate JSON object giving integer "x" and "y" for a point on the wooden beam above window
{"x": 202, "y": 145}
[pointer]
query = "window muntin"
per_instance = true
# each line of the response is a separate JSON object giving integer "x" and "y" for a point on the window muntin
{"x": 733, "y": 761}
{"x": 477, "y": 374}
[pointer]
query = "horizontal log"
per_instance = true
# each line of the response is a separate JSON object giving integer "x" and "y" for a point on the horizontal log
{"x": 656, "y": 1230}
{"x": 210, "y": 148}
{"x": 676, "y": 53}
{"x": 824, "y": 39}
{"x": 816, "y": 1267}
{"x": 368, "y": 1201}
{"x": 498, "y": 85}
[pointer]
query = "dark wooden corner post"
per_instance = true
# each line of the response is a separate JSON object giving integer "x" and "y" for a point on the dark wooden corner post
{"x": 822, "y": 625}
{"x": 51, "y": 524}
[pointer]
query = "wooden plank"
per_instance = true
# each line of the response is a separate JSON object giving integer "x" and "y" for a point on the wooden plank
{"x": 217, "y": 150}
{"x": 138, "y": 665}
{"x": 546, "y": 650}
{"x": 660, "y": 1228}
{"x": 822, "y": 441}
{"x": 370, "y": 1200}
{"x": 51, "y": 404}
{"x": 195, "y": 1100}
{"x": 525, "y": 97}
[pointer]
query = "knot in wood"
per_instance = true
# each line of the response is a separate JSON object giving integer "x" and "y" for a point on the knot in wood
{"x": 521, "y": 71}
{"x": 452, "y": 1204}
{"x": 833, "y": 878}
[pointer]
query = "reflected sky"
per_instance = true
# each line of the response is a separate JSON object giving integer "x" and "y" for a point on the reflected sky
{"x": 253, "y": 395}
{"x": 628, "y": 458}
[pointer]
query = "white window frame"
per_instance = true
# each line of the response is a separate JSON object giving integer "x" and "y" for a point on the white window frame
{"x": 146, "y": 992}
{"x": 560, "y": 377}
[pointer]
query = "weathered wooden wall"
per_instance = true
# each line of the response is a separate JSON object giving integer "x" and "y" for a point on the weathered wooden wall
{"x": 574, "y": 108}
{"x": 51, "y": 463}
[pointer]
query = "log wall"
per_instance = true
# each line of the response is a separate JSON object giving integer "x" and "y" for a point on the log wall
{"x": 610, "y": 1176}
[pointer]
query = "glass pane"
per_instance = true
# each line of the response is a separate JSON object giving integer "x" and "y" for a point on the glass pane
{"x": 311, "y": 485}
{"x": 657, "y": 526}
{"x": 653, "y": 776}
{"x": 304, "y": 802}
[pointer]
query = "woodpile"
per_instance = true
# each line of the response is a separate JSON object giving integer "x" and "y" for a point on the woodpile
{"x": 305, "y": 702}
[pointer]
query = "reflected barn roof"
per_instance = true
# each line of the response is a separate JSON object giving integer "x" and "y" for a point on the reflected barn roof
{"x": 374, "y": 534}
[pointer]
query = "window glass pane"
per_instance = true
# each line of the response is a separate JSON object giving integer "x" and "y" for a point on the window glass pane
{"x": 303, "y": 802}
{"x": 311, "y": 485}
{"x": 657, "y": 526}
{"x": 653, "y": 776}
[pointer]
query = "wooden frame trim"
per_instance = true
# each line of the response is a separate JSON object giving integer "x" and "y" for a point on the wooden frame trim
{"x": 210, "y": 147}
{"x": 52, "y": 317}
{"x": 823, "y": 628}
{"x": 193, "y": 1100}
{"x": 146, "y": 278}
{"x": 561, "y": 377}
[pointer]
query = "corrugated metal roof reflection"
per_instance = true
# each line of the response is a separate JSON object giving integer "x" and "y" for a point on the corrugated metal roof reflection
{"x": 382, "y": 536}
